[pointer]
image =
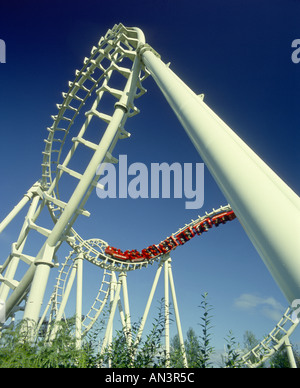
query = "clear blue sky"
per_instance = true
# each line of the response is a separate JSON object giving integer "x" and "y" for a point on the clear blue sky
{"x": 239, "y": 55}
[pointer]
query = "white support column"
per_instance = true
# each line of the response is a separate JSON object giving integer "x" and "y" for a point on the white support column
{"x": 27, "y": 197}
{"x": 78, "y": 316}
{"x": 149, "y": 302}
{"x": 64, "y": 301}
{"x": 265, "y": 206}
{"x": 290, "y": 353}
{"x": 177, "y": 317}
{"x": 13, "y": 260}
{"x": 126, "y": 307}
{"x": 167, "y": 312}
{"x": 39, "y": 271}
{"x": 66, "y": 294}
{"x": 114, "y": 300}
{"x": 38, "y": 274}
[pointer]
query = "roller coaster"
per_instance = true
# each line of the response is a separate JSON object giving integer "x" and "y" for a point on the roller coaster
{"x": 170, "y": 243}
{"x": 103, "y": 93}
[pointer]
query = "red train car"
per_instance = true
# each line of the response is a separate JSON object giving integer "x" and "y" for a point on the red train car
{"x": 185, "y": 235}
{"x": 203, "y": 226}
{"x": 116, "y": 253}
{"x": 171, "y": 242}
{"x": 151, "y": 252}
{"x": 134, "y": 255}
{"x": 222, "y": 218}
{"x": 231, "y": 216}
{"x": 168, "y": 244}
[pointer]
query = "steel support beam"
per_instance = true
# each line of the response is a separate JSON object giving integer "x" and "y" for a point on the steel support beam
{"x": 259, "y": 198}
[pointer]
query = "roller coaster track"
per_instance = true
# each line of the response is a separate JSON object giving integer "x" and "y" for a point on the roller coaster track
{"x": 90, "y": 96}
{"x": 107, "y": 261}
{"x": 93, "y": 250}
{"x": 272, "y": 343}
{"x": 114, "y": 54}
{"x": 89, "y": 123}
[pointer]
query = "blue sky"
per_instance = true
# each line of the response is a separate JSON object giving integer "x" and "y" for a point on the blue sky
{"x": 238, "y": 53}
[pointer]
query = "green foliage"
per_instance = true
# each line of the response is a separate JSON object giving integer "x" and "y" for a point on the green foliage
{"x": 192, "y": 350}
{"x": 231, "y": 358}
{"x": 280, "y": 359}
{"x": 198, "y": 349}
{"x": 127, "y": 349}
{"x": 205, "y": 339}
{"x": 17, "y": 351}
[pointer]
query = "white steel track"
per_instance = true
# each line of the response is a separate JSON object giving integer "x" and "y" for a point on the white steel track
{"x": 93, "y": 251}
{"x": 90, "y": 121}
{"x": 115, "y": 53}
{"x": 273, "y": 342}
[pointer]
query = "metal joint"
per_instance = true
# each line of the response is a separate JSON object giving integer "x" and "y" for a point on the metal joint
{"x": 146, "y": 47}
{"x": 121, "y": 106}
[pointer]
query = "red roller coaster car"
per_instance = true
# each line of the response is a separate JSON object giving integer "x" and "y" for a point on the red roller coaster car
{"x": 185, "y": 235}
{"x": 171, "y": 242}
{"x": 222, "y": 218}
{"x": 151, "y": 252}
{"x": 231, "y": 216}
{"x": 203, "y": 226}
{"x": 168, "y": 244}
{"x": 134, "y": 255}
{"x": 116, "y": 253}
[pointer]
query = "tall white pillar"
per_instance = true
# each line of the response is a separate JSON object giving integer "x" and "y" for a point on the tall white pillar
{"x": 265, "y": 206}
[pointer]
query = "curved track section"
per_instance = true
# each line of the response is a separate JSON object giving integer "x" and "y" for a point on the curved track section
{"x": 117, "y": 260}
{"x": 89, "y": 123}
{"x": 115, "y": 53}
{"x": 95, "y": 251}
{"x": 110, "y": 78}
{"x": 273, "y": 342}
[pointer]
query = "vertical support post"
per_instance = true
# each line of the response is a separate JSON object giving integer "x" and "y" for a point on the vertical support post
{"x": 290, "y": 352}
{"x": 63, "y": 304}
{"x": 167, "y": 312}
{"x": 38, "y": 273}
{"x": 78, "y": 315}
{"x": 126, "y": 307}
{"x": 257, "y": 195}
{"x": 177, "y": 317}
{"x": 149, "y": 302}
{"x": 112, "y": 313}
{"x": 14, "y": 260}
{"x": 27, "y": 197}
{"x": 44, "y": 260}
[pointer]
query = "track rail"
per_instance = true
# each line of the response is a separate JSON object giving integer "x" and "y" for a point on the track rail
{"x": 117, "y": 53}
{"x": 94, "y": 111}
{"x": 183, "y": 235}
{"x": 94, "y": 251}
{"x": 117, "y": 260}
{"x": 272, "y": 343}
